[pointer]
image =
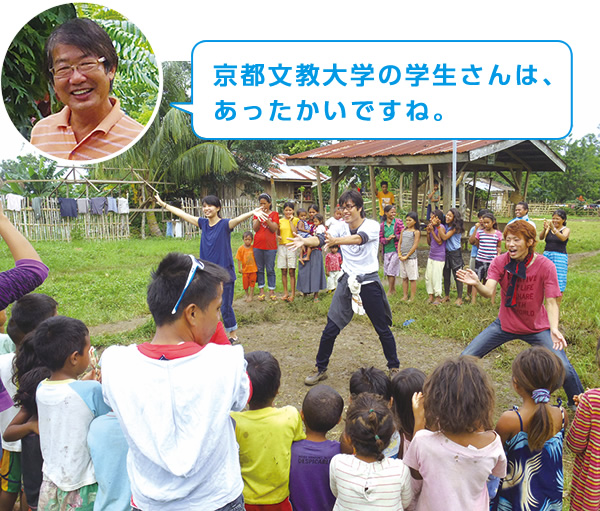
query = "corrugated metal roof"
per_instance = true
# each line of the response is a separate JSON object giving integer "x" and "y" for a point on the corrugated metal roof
{"x": 366, "y": 148}
{"x": 484, "y": 184}
{"x": 281, "y": 171}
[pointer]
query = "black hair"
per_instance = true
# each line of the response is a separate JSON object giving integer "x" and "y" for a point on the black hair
{"x": 492, "y": 218}
{"x": 28, "y": 372}
{"x": 404, "y": 385}
{"x": 457, "y": 223}
{"x": 57, "y": 338}
{"x": 213, "y": 200}
{"x": 86, "y": 35}
{"x": 370, "y": 379}
{"x": 414, "y": 216}
{"x": 301, "y": 210}
{"x": 482, "y": 212}
{"x": 384, "y": 183}
{"x": 267, "y": 197}
{"x": 524, "y": 204}
{"x": 289, "y": 204}
{"x": 169, "y": 279}
{"x": 322, "y": 408}
{"x": 320, "y": 218}
{"x": 440, "y": 214}
{"x": 334, "y": 246}
{"x": 315, "y": 207}
{"x": 27, "y": 313}
{"x": 389, "y": 207}
{"x": 370, "y": 425}
{"x": 247, "y": 233}
{"x": 265, "y": 375}
{"x": 562, "y": 214}
{"x": 354, "y": 196}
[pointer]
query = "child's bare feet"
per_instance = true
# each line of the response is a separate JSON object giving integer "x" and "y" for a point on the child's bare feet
{"x": 430, "y": 299}
{"x": 404, "y": 299}
{"x": 437, "y": 301}
{"x": 248, "y": 299}
{"x": 458, "y": 301}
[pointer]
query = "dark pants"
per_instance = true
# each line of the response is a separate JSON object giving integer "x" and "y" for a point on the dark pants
{"x": 454, "y": 262}
{"x": 493, "y": 336}
{"x": 373, "y": 300}
{"x": 227, "y": 314}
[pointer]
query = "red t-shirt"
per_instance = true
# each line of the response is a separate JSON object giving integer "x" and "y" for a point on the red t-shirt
{"x": 185, "y": 349}
{"x": 529, "y": 316}
{"x": 264, "y": 239}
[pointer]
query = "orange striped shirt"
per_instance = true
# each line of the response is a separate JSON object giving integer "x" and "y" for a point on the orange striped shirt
{"x": 54, "y": 135}
{"x": 583, "y": 438}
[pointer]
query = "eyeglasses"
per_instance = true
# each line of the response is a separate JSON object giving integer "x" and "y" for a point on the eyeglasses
{"x": 86, "y": 66}
{"x": 196, "y": 264}
{"x": 348, "y": 207}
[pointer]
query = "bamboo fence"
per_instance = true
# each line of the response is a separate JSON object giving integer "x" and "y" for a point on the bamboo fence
{"x": 52, "y": 227}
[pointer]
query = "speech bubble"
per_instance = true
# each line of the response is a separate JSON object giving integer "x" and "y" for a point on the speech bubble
{"x": 381, "y": 90}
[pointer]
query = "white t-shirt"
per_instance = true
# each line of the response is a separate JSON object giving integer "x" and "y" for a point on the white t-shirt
{"x": 359, "y": 485}
{"x": 65, "y": 410}
{"x": 175, "y": 416}
{"x": 6, "y": 417}
{"x": 331, "y": 221}
{"x": 454, "y": 476}
{"x": 359, "y": 259}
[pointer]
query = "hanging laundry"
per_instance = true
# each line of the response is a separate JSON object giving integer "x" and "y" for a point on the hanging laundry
{"x": 36, "y": 204}
{"x": 13, "y": 202}
{"x": 112, "y": 205}
{"x": 123, "y": 206}
{"x": 68, "y": 207}
{"x": 98, "y": 205}
{"x": 82, "y": 206}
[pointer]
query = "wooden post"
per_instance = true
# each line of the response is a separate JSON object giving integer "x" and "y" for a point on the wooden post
{"x": 333, "y": 197}
{"x": 320, "y": 191}
{"x": 526, "y": 186}
{"x": 401, "y": 202}
{"x": 273, "y": 194}
{"x": 447, "y": 187}
{"x": 373, "y": 196}
{"x": 415, "y": 191}
{"x": 144, "y": 214}
{"x": 473, "y": 198}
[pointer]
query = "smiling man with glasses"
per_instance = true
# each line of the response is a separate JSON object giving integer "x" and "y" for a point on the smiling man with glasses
{"x": 81, "y": 65}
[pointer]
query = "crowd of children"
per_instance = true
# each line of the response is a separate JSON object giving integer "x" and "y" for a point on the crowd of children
{"x": 188, "y": 421}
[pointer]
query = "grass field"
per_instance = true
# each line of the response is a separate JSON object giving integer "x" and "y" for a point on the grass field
{"x": 105, "y": 282}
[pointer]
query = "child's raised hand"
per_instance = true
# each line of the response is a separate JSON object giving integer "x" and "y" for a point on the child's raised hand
{"x": 418, "y": 411}
{"x": 159, "y": 201}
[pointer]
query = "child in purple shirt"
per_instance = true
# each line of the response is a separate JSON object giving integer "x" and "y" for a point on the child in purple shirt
{"x": 309, "y": 469}
{"x": 437, "y": 257}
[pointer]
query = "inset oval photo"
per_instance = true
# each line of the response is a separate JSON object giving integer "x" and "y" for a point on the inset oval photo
{"x": 81, "y": 82}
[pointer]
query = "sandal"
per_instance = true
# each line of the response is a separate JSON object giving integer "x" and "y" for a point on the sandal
{"x": 273, "y": 298}
{"x": 261, "y": 298}
{"x": 290, "y": 299}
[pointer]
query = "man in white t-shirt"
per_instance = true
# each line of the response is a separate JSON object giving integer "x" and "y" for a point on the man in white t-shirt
{"x": 359, "y": 288}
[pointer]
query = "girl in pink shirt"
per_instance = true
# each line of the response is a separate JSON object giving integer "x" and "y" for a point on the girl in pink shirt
{"x": 459, "y": 450}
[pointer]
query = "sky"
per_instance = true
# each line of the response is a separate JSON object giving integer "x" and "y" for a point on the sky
{"x": 174, "y": 27}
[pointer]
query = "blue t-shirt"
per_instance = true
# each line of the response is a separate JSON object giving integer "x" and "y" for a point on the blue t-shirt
{"x": 215, "y": 244}
{"x": 108, "y": 449}
{"x": 453, "y": 242}
{"x": 474, "y": 249}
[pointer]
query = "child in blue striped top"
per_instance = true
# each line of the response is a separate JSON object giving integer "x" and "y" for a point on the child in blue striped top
{"x": 488, "y": 239}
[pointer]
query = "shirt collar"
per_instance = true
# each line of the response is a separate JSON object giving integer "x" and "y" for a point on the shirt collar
{"x": 64, "y": 116}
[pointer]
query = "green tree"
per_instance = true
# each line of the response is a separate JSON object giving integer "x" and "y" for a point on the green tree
{"x": 25, "y": 88}
{"x": 27, "y": 169}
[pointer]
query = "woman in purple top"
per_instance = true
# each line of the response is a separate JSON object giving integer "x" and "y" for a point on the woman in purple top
{"x": 29, "y": 271}
{"x": 437, "y": 257}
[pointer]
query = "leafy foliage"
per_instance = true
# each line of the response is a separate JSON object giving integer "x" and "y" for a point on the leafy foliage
{"x": 26, "y": 169}
{"x": 25, "y": 89}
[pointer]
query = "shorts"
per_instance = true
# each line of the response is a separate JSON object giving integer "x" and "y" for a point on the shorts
{"x": 286, "y": 258}
{"x": 391, "y": 264}
{"x": 282, "y": 506}
{"x": 249, "y": 280}
{"x": 52, "y": 498}
{"x": 10, "y": 471}
{"x": 472, "y": 263}
{"x": 481, "y": 268}
{"x": 409, "y": 269}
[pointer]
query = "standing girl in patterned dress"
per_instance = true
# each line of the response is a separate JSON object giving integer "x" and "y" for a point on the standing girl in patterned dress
{"x": 583, "y": 439}
{"x": 488, "y": 239}
{"x": 532, "y": 435}
{"x": 556, "y": 235}
{"x": 389, "y": 234}
{"x": 407, "y": 254}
